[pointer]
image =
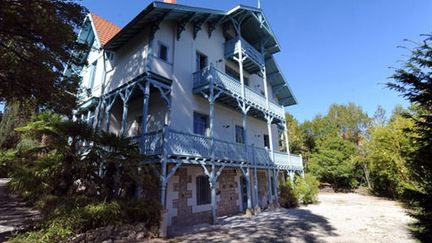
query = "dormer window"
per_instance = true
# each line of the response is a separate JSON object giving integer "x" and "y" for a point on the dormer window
{"x": 163, "y": 52}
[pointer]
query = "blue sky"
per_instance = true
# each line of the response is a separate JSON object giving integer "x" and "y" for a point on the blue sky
{"x": 333, "y": 51}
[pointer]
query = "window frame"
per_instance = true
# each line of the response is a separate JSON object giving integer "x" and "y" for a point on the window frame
{"x": 198, "y": 66}
{"x": 160, "y": 45}
{"x": 242, "y": 140}
{"x": 203, "y": 191}
{"x": 266, "y": 140}
{"x": 207, "y": 123}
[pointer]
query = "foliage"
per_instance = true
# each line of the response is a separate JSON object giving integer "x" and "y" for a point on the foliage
{"x": 303, "y": 191}
{"x": 332, "y": 162}
{"x": 79, "y": 214}
{"x": 414, "y": 81}
{"x": 17, "y": 113}
{"x": 350, "y": 121}
{"x": 388, "y": 152}
{"x": 287, "y": 198}
{"x": 295, "y": 135}
{"x": 306, "y": 189}
{"x": 37, "y": 40}
{"x": 80, "y": 179}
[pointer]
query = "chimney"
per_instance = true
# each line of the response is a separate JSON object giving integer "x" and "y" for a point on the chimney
{"x": 170, "y": 1}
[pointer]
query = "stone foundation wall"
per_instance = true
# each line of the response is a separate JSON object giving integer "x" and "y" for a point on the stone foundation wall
{"x": 185, "y": 216}
{"x": 228, "y": 192}
{"x": 262, "y": 188}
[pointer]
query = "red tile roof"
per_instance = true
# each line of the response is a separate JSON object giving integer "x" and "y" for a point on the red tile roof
{"x": 105, "y": 29}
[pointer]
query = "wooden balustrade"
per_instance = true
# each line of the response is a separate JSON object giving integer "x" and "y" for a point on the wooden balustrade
{"x": 181, "y": 144}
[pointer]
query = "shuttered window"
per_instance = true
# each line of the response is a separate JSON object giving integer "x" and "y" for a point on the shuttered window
{"x": 203, "y": 190}
{"x": 239, "y": 134}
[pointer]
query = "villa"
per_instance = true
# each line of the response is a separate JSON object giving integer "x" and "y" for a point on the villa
{"x": 200, "y": 92}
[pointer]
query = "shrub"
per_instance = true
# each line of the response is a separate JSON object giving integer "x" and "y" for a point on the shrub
{"x": 141, "y": 210}
{"x": 306, "y": 189}
{"x": 287, "y": 198}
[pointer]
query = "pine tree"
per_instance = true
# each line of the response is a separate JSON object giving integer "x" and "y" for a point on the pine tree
{"x": 414, "y": 81}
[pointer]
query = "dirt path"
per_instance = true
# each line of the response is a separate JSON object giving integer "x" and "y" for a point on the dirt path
{"x": 14, "y": 213}
{"x": 339, "y": 217}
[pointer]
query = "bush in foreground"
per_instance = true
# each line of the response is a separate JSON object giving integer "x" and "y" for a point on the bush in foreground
{"x": 303, "y": 191}
{"x": 306, "y": 189}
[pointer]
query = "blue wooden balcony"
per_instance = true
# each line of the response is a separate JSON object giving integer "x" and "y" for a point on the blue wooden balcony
{"x": 254, "y": 60}
{"x": 232, "y": 90}
{"x": 192, "y": 147}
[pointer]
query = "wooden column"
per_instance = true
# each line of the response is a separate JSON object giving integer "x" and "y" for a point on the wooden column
{"x": 124, "y": 118}
{"x": 108, "y": 118}
{"x": 146, "y": 96}
{"x": 256, "y": 206}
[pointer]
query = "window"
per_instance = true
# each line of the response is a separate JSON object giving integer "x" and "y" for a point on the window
{"x": 201, "y": 61}
{"x": 234, "y": 74}
{"x": 200, "y": 124}
{"x": 203, "y": 190}
{"x": 163, "y": 52}
{"x": 266, "y": 141}
{"x": 92, "y": 75}
{"x": 239, "y": 134}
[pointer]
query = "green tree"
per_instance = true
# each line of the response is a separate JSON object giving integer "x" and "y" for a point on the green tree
{"x": 332, "y": 162}
{"x": 17, "y": 113}
{"x": 350, "y": 121}
{"x": 388, "y": 152}
{"x": 295, "y": 135}
{"x": 414, "y": 81}
{"x": 37, "y": 41}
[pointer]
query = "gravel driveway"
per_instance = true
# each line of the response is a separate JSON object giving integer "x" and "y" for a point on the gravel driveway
{"x": 339, "y": 217}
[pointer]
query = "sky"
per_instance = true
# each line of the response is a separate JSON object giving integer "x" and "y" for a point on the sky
{"x": 333, "y": 51}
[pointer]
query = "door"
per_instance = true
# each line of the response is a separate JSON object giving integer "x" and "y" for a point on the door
{"x": 243, "y": 191}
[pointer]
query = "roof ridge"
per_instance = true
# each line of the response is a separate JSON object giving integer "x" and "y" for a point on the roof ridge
{"x": 105, "y": 29}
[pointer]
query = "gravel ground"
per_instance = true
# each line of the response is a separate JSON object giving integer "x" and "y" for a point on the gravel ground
{"x": 14, "y": 213}
{"x": 339, "y": 217}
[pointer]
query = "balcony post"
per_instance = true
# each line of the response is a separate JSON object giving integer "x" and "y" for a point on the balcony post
{"x": 108, "y": 118}
{"x": 163, "y": 176}
{"x": 146, "y": 97}
{"x": 257, "y": 208}
{"x": 276, "y": 185}
{"x": 124, "y": 118}
{"x": 287, "y": 139}
{"x": 302, "y": 171}
{"x": 99, "y": 112}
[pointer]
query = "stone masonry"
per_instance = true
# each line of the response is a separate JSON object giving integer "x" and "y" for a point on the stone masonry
{"x": 228, "y": 197}
{"x": 262, "y": 188}
{"x": 185, "y": 217}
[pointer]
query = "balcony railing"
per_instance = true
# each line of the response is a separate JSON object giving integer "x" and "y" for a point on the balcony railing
{"x": 182, "y": 144}
{"x": 233, "y": 86}
{"x": 233, "y": 47}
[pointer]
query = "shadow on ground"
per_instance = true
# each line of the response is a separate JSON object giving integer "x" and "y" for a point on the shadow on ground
{"x": 14, "y": 213}
{"x": 279, "y": 225}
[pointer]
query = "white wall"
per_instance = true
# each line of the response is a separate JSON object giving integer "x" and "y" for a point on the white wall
{"x": 130, "y": 61}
